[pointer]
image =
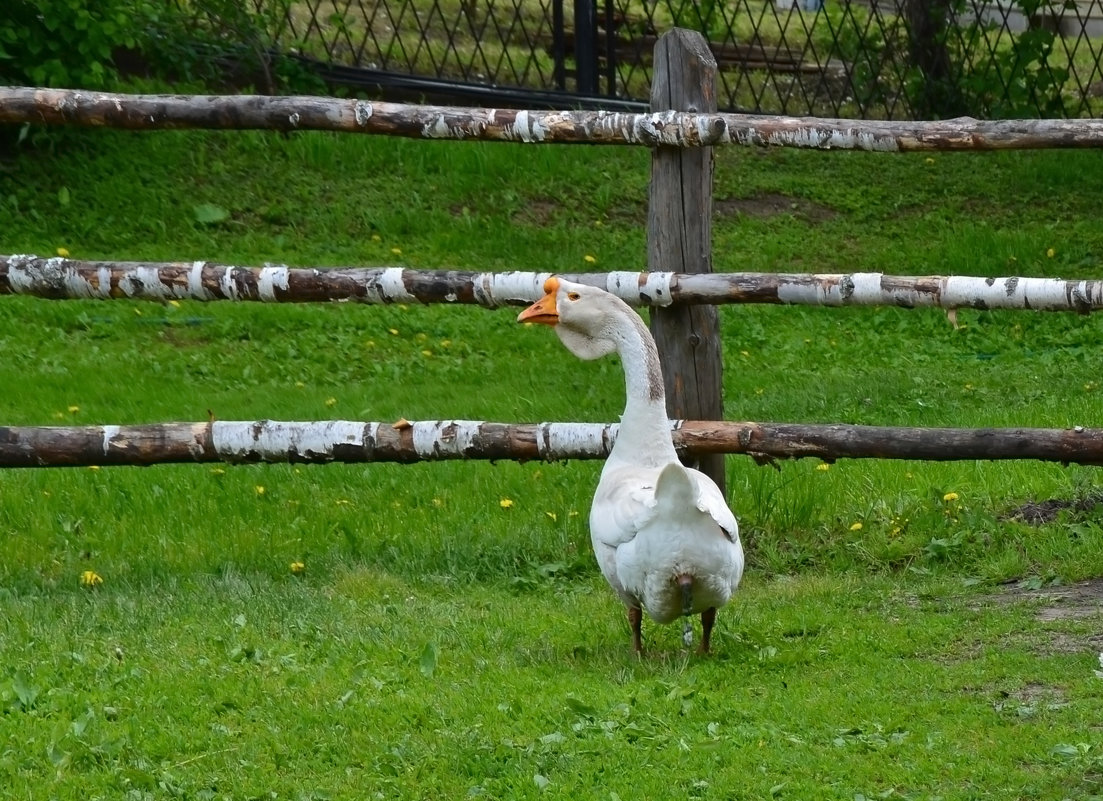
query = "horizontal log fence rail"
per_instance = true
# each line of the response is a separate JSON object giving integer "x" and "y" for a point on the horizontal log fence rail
{"x": 349, "y": 441}
{"x": 60, "y": 278}
{"x": 38, "y": 106}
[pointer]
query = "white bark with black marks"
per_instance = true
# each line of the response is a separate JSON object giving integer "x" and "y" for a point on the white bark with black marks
{"x": 434, "y": 440}
{"x": 71, "y": 278}
{"x": 19, "y": 105}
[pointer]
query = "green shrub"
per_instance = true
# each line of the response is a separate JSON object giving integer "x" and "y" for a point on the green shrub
{"x": 69, "y": 43}
{"x": 86, "y": 43}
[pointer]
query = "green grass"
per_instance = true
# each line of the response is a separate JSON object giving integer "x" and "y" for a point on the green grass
{"x": 440, "y": 644}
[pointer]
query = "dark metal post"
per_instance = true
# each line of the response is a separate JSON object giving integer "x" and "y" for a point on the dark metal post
{"x": 585, "y": 46}
{"x": 610, "y": 49}
{"x": 559, "y": 49}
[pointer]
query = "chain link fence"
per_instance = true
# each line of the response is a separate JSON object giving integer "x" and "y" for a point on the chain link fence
{"x": 875, "y": 59}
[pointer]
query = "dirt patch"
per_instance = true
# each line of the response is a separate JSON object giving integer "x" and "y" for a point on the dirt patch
{"x": 771, "y": 204}
{"x": 1033, "y": 693}
{"x": 538, "y": 212}
{"x": 1063, "y": 602}
{"x": 1042, "y": 512}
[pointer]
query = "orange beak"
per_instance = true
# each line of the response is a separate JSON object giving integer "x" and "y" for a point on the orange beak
{"x": 543, "y": 310}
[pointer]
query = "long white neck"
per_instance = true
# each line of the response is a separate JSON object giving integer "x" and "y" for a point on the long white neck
{"x": 644, "y": 436}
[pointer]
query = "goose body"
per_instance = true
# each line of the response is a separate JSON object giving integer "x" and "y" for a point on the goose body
{"x": 663, "y": 535}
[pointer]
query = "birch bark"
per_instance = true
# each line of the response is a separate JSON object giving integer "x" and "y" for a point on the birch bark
{"x": 436, "y": 440}
{"x": 70, "y": 278}
{"x": 678, "y": 129}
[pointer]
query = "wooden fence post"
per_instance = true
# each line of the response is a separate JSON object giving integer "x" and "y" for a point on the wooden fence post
{"x": 679, "y": 237}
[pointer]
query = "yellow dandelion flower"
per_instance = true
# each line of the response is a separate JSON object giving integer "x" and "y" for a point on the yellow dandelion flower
{"x": 745, "y": 354}
{"x": 90, "y": 579}
{"x": 950, "y": 496}
{"x": 855, "y": 526}
{"x": 331, "y": 401}
{"x": 376, "y": 238}
{"x": 427, "y": 353}
{"x": 63, "y": 252}
{"x": 505, "y": 503}
{"x": 928, "y": 160}
{"x": 392, "y": 331}
{"x": 589, "y": 259}
{"x": 437, "y": 502}
{"x": 370, "y": 343}
{"x": 396, "y": 251}
{"x": 218, "y": 471}
{"x": 93, "y": 467}
{"x": 300, "y": 385}
{"x": 446, "y": 343}
{"x": 823, "y": 466}
{"x": 1050, "y": 253}
{"x": 260, "y": 490}
{"x": 297, "y": 568}
{"x": 554, "y": 517}
{"x": 74, "y": 409}
{"x": 175, "y": 304}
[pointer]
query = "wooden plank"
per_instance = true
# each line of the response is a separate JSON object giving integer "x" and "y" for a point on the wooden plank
{"x": 679, "y": 238}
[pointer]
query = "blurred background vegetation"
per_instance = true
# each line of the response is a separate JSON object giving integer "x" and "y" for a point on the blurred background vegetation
{"x": 874, "y": 59}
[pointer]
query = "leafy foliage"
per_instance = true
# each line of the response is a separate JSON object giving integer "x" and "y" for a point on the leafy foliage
{"x": 88, "y": 43}
{"x": 958, "y": 62}
{"x": 69, "y": 43}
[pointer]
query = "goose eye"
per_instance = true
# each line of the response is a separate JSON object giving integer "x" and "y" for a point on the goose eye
{"x": 573, "y": 296}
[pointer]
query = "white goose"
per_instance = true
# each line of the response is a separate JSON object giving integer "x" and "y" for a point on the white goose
{"x": 662, "y": 533}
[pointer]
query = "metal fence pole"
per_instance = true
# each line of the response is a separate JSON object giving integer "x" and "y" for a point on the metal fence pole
{"x": 585, "y": 46}
{"x": 559, "y": 48}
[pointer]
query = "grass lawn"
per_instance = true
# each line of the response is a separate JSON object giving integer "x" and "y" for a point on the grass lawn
{"x": 905, "y": 629}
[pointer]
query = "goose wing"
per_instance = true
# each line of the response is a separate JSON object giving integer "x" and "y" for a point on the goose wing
{"x": 623, "y": 504}
{"x": 711, "y": 501}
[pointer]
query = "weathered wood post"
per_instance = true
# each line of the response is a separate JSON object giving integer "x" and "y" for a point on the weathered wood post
{"x": 679, "y": 237}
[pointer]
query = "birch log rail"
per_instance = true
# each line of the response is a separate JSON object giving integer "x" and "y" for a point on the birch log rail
{"x": 351, "y": 441}
{"x": 60, "y": 278}
{"x": 39, "y": 106}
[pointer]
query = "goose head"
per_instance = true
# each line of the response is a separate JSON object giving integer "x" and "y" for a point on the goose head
{"x": 586, "y": 319}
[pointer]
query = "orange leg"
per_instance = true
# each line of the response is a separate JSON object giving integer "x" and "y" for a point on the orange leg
{"x": 635, "y": 619}
{"x": 708, "y": 617}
